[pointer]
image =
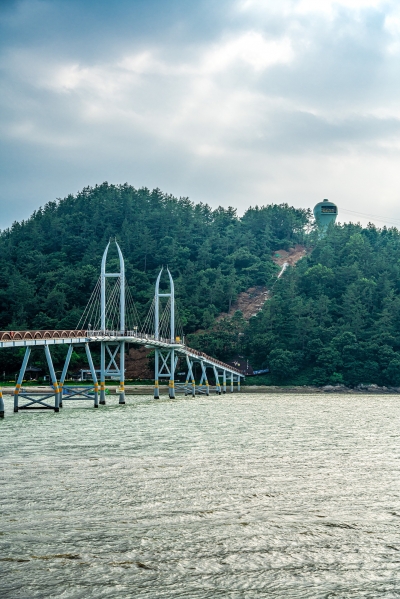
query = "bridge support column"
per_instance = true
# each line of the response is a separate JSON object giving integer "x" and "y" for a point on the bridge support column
{"x": 238, "y": 382}
{"x": 21, "y": 377}
{"x": 93, "y": 373}
{"x": 53, "y": 379}
{"x": 103, "y": 373}
{"x": 204, "y": 376}
{"x": 224, "y": 382}
{"x": 122, "y": 373}
{"x": 172, "y": 375}
{"x": 190, "y": 376}
{"x": 64, "y": 372}
{"x": 231, "y": 382}
{"x": 217, "y": 385}
{"x": 156, "y": 374}
{"x": 1, "y": 404}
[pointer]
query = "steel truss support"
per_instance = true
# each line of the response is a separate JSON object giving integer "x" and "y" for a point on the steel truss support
{"x": 164, "y": 367}
{"x": 94, "y": 377}
{"x": 204, "y": 378}
{"x": 21, "y": 377}
{"x": 64, "y": 372}
{"x": 113, "y": 369}
{"x": 53, "y": 378}
{"x": 79, "y": 393}
{"x": 190, "y": 376}
{"x": 37, "y": 397}
{"x": 217, "y": 384}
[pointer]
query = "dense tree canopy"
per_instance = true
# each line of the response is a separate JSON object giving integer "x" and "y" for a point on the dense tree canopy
{"x": 50, "y": 263}
{"x": 335, "y": 318}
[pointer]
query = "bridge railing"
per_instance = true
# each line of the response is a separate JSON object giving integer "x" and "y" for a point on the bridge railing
{"x": 213, "y": 360}
{"x": 43, "y": 334}
{"x": 107, "y": 334}
{"x": 133, "y": 333}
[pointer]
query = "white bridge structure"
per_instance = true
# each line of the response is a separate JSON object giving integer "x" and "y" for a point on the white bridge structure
{"x": 109, "y": 322}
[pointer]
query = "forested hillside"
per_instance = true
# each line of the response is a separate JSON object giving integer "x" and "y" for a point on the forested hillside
{"x": 50, "y": 263}
{"x": 335, "y": 318}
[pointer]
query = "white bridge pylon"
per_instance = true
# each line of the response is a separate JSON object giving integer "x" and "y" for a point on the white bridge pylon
{"x": 114, "y": 326}
{"x": 164, "y": 360}
{"x": 115, "y": 368}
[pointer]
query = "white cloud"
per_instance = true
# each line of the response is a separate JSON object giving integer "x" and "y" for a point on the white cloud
{"x": 287, "y": 7}
{"x": 251, "y": 49}
{"x": 273, "y": 106}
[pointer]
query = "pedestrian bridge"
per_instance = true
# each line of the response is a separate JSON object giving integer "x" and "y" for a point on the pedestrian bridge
{"x": 108, "y": 323}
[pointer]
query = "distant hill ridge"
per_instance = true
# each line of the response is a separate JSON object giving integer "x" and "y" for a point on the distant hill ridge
{"x": 50, "y": 263}
{"x": 333, "y": 318}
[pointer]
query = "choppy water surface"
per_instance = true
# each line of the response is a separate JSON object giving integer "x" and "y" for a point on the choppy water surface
{"x": 238, "y": 496}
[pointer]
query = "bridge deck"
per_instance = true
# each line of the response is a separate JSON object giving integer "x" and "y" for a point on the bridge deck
{"x": 10, "y": 339}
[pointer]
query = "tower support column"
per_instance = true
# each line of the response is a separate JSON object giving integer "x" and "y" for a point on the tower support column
{"x": 156, "y": 374}
{"x": 64, "y": 372}
{"x": 53, "y": 378}
{"x": 172, "y": 375}
{"x": 103, "y": 373}
{"x": 204, "y": 371}
{"x": 21, "y": 377}
{"x": 94, "y": 376}
{"x": 217, "y": 385}
{"x": 122, "y": 372}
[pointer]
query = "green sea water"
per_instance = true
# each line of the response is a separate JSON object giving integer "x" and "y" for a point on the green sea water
{"x": 236, "y": 496}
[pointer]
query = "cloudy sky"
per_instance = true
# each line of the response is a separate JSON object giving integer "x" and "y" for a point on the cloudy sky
{"x": 235, "y": 102}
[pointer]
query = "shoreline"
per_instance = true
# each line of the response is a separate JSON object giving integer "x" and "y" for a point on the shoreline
{"x": 265, "y": 389}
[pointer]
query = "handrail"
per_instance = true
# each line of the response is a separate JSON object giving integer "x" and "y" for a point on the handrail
{"x": 89, "y": 333}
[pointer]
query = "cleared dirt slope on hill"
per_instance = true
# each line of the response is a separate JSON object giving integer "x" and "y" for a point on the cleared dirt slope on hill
{"x": 251, "y": 301}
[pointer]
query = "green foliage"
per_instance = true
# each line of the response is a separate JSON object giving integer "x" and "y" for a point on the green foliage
{"x": 49, "y": 264}
{"x": 335, "y": 318}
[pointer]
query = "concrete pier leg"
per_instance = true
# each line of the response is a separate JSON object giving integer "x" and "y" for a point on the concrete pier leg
{"x": 1, "y": 404}
{"x": 224, "y": 382}
{"x": 172, "y": 376}
{"x": 231, "y": 382}
{"x": 122, "y": 373}
{"x": 102, "y": 373}
{"x": 96, "y": 395}
{"x": 56, "y": 400}
{"x": 156, "y": 374}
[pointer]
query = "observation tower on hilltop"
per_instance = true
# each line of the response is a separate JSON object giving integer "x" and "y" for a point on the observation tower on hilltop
{"x": 325, "y": 212}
